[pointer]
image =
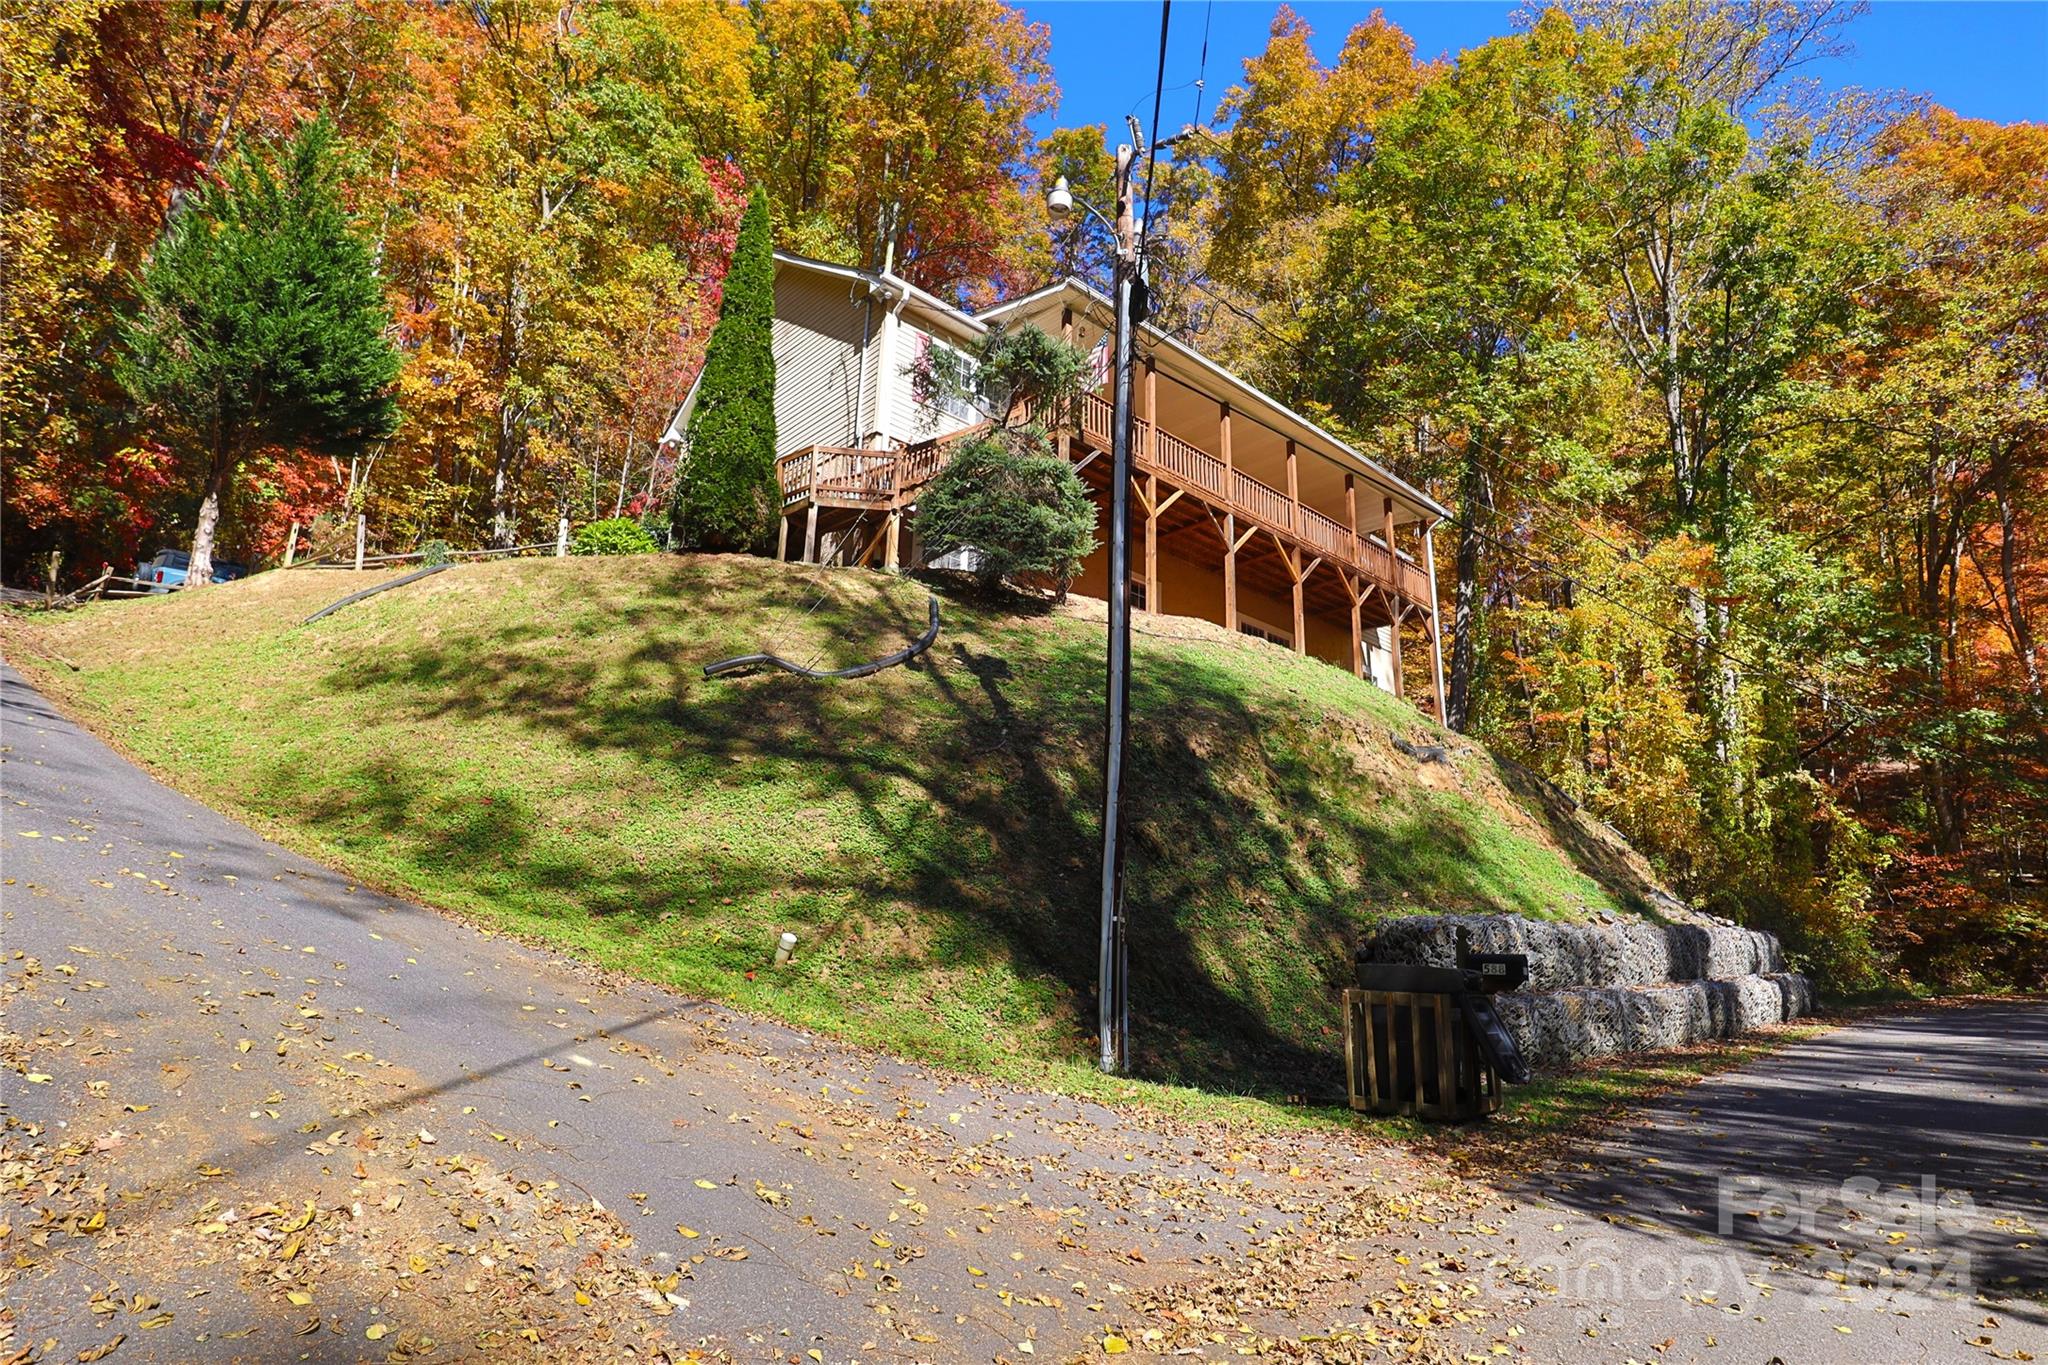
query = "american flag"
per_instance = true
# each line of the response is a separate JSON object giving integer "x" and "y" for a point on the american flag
{"x": 1098, "y": 365}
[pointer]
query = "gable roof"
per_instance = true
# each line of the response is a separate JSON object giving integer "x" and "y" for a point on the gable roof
{"x": 924, "y": 305}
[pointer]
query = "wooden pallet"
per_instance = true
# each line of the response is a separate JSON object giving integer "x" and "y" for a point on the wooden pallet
{"x": 1408, "y": 1053}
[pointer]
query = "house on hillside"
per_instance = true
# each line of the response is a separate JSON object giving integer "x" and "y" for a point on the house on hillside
{"x": 1244, "y": 513}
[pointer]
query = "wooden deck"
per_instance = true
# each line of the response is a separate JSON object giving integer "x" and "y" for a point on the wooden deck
{"x": 1207, "y": 508}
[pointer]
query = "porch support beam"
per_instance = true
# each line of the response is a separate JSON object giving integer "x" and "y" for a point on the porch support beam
{"x": 1393, "y": 555}
{"x": 1151, "y": 525}
{"x": 1291, "y": 559}
{"x": 1300, "y": 615}
{"x": 1223, "y": 442}
{"x": 782, "y": 536}
{"x": 1394, "y": 635}
{"x": 1351, "y": 514}
{"x": 1293, "y": 491}
{"x": 867, "y": 551}
{"x": 1230, "y": 548}
{"x": 1357, "y": 624}
{"x": 894, "y": 561}
{"x": 1436, "y": 639}
{"x": 811, "y": 534}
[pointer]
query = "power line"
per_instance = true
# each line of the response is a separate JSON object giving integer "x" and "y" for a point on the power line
{"x": 1158, "y": 94}
{"x": 1202, "y": 70}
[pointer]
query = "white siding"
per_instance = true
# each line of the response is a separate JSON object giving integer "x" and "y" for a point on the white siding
{"x": 818, "y": 327}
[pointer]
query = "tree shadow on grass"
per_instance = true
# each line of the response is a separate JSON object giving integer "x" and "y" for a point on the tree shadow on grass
{"x": 942, "y": 819}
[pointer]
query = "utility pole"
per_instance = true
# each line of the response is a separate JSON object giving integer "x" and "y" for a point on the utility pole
{"x": 1132, "y": 302}
{"x": 1114, "y": 1003}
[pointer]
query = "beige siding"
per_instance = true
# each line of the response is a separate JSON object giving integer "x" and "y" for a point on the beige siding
{"x": 818, "y": 326}
{"x": 909, "y": 420}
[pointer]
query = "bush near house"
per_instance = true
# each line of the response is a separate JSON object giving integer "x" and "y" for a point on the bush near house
{"x": 613, "y": 536}
{"x": 1021, "y": 512}
{"x": 1007, "y": 495}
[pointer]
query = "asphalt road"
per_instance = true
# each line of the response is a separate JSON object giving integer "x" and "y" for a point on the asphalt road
{"x": 208, "y": 1034}
{"x": 252, "y": 1111}
{"x": 1876, "y": 1194}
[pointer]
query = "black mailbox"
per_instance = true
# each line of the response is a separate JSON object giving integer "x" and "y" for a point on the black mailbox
{"x": 1495, "y": 972}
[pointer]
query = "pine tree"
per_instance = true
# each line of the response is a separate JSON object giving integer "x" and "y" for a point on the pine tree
{"x": 261, "y": 323}
{"x": 727, "y": 496}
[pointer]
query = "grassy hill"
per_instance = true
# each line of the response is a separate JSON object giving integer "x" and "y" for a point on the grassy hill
{"x": 532, "y": 744}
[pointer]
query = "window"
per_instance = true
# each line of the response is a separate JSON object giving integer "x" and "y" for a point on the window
{"x": 935, "y": 359}
{"x": 1259, "y": 630}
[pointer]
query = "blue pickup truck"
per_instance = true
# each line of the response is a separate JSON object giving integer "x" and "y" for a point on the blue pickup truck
{"x": 170, "y": 567}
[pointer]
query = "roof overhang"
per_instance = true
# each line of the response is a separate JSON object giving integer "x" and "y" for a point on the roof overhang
{"x": 926, "y": 309}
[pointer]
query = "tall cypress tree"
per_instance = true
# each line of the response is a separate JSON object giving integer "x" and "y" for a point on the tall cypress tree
{"x": 727, "y": 497}
{"x": 261, "y": 323}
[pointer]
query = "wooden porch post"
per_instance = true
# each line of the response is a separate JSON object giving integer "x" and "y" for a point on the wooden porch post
{"x": 893, "y": 560}
{"x": 1293, "y": 491}
{"x": 1151, "y": 541}
{"x": 1229, "y": 571}
{"x": 1436, "y": 639}
{"x": 1064, "y": 440}
{"x": 1397, "y": 605}
{"x": 1291, "y": 559}
{"x": 1357, "y": 624}
{"x": 811, "y": 535}
{"x": 1351, "y": 514}
{"x": 1300, "y": 614}
{"x": 1393, "y": 559}
{"x": 1148, "y": 450}
{"x": 1229, "y": 522}
{"x": 1151, "y": 405}
{"x": 782, "y": 537}
{"x": 1394, "y": 636}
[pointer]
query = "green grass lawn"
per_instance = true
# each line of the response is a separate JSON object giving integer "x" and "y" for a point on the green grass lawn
{"x": 532, "y": 744}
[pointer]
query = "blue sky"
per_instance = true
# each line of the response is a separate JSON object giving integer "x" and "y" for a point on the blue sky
{"x": 1982, "y": 58}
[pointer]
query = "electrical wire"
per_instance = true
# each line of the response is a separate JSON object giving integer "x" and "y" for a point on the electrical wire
{"x": 1152, "y": 139}
{"x": 1202, "y": 70}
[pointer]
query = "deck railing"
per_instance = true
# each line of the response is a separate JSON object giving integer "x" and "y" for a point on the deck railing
{"x": 1265, "y": 502}
{"x": 849, "y": 477}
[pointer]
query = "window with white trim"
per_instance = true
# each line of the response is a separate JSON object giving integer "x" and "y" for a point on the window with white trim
{"x": 1259, "y": 630}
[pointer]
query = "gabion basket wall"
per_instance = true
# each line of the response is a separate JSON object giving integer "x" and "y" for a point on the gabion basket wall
{"x": 1631, "y": 986}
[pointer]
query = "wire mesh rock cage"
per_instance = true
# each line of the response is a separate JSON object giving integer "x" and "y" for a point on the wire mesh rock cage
{"x": 1410, "y": 1052}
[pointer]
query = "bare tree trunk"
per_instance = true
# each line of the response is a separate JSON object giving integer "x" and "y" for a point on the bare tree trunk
{"x": 199, "y": 569}
{"x": 625, "y": 463}
{"x": 511, "y": 439}
{"x": 1475, "y": 502}
{"x": 2020, "y": 629}
{"x": 501, "y": 479}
